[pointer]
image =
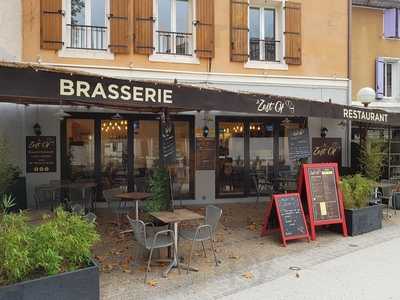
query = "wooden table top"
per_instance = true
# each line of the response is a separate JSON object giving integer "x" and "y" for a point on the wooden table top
{"x": 133, "y": 196}
{"x": 178, "y": 215}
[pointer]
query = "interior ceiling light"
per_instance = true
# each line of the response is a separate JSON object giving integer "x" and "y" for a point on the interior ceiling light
{"x": 61, "y": 114}
{"x": 117, "y": 116}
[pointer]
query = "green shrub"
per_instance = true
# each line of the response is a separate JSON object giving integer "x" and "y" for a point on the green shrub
{"x": 7, "y": 201}
{"x": 357, "y": 191}
{"x": 160, "y": 191}
{"x": 61, "y": 243}
{"x": 371, "y": 158}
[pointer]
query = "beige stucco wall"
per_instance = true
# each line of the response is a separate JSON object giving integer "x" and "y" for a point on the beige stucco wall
{"x": 324, "y": 29}
{"x": 368, "y": 44}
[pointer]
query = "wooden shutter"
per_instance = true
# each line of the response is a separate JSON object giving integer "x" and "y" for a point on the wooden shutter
{"x": 119, "y": 26}
{"x": 205, "y": 28}
{"x": 239, "y": 30}
{"x": 293, "y": 33}
{"x": 50, "y": 24}
{"x": 143, "y": 23}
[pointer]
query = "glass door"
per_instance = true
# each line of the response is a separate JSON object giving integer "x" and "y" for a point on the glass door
{"x": 261, "y": 155}
{"x": 230, "y": 161}
{"x": 114, "y": 153}
{"x": 146, "y": 150}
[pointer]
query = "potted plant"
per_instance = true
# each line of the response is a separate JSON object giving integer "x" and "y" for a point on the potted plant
{"x": 160, "y": 191}
{"x": 48, "y": 261}
{"x": 361, "y": 215}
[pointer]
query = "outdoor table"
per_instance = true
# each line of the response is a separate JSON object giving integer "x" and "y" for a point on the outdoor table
{"x": 175, "y": 217}
{"x": 134, "y": 196}
{"x": 83, "y": 186}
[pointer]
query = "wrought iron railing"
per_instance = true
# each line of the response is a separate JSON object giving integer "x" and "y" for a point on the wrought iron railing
{"x": 87, "y": 37}
{"x": 178, "y": 43}
{"x": 264, "y": 50}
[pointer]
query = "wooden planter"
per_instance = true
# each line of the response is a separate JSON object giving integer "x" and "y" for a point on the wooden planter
{"x": 79, "y": 284}
{"x": 363, "y": 220}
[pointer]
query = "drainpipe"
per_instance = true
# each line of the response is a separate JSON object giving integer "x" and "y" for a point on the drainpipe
{"x": 349, "y": 76}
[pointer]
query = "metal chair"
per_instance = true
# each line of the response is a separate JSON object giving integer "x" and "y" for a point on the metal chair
{"x": 261, "y": 185}
{"x": 117, "y": 206}
{"x": 90, "y": 217}
{"x": 386, "y": 198}
{"x": 158, "y": 240}
{"x": 44, "y": 198}
{"x": 203, "y": 232}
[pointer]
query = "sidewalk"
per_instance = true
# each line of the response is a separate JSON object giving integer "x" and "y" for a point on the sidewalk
{"x": 368, "y": 274}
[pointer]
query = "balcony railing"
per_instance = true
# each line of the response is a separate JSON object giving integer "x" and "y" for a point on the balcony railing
{"x": 178, "y": 43}
{"x": 87, "y": 37}
{"x": 264, "y": 50}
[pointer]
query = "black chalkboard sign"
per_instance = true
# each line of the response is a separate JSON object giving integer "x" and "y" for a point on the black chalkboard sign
{"x": 324, "y": 195}
{"x": 168, "y": 145}
{"x": 41, "y": 154}
{"x": 318, "y": 186}
{"x": 299, "y": 143}
{"x": 292, "y": 215}
{"x": 287, "y": 209}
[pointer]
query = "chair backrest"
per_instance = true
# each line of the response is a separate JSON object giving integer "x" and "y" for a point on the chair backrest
{"x": 139, "y": 230}
{"x": 109, "y": 196}
{"x": 387, "y": 191}
{"x": 213, "y": 215}
{"x": 90, "y": 217}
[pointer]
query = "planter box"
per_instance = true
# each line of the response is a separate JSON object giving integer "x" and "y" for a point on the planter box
{"x": 363, "y": 220}
{"x": 80, "y": 284}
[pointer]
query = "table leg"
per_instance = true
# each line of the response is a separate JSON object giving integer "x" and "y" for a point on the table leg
{"x": 137, "y": 209}
{"x": 174, "y": 262}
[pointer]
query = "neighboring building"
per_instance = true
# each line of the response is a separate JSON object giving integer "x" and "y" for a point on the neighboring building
{"x": 376, "y": 63}
{"x": 294, "y": 49}
{"x": 11, "y": 30}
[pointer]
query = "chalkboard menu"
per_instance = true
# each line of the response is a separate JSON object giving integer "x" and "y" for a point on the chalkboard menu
{"x": 299, "y": 143}
{"x": 205, "y": 153}
{"x": 41, "y": 154}
{"x": 324, "y": 193}
{"x": 291, "y": 215}
{"x": 168, "y": 146}
{"x": 288, "y": 211}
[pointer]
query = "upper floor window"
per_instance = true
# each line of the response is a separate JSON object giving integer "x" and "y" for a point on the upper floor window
{"x": 387, "y": 74}
{"x": 174, "y": 27}
{"x": 86, "y": 25}
{"x": 388, "y": 80}
{"x": 262, "y": 34}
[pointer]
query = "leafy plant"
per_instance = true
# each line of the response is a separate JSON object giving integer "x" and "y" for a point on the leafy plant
{"x": 160, "y": 191}
{"x": 6, "y": 203}
{"x": 371, "y": 158}
{"x": 61, "y": 243}
{"x": 356, "y": 190}
{"x": 7, "y": 172}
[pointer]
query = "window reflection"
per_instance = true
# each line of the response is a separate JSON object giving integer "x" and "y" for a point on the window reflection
{"x": 80, "y": 149}
{"x": 114, "y": 153}
{"x": 231, "y": 157}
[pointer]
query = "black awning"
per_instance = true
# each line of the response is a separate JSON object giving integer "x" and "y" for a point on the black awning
{"x": 28, "y": 84}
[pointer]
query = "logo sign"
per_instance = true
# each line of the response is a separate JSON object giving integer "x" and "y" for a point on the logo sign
{"x": 276, "y": 106}
{"x": 327, "y": 150}
{"x": 41, "y": 154}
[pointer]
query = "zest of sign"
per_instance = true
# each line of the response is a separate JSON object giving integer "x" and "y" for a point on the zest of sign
{"x": 326, "y": 150}
{"x": 84, "y": 89}
{"x": 275, "y": 106}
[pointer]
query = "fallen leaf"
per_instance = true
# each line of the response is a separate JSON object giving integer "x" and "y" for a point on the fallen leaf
{"x": 252, "y": 227}
{"x": 234, "y": 256}
{"x": 248, "y": 275}
{"x": 152, "y": 283}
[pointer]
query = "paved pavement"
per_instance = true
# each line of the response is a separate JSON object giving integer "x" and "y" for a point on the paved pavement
{"x": 362, "y": 267}
{"x": 371, "y": 273}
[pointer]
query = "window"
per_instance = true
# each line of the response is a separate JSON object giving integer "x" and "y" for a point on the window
{"x": 263, "y": 43}
{"x": 388, "y": 80}
{"x": 174, "y": 27}
{"x": 86, "y": 25}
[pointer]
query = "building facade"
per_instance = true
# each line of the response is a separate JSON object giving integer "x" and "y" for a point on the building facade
{"x": 246, "y": 46}
{"x": 376, "y": 63}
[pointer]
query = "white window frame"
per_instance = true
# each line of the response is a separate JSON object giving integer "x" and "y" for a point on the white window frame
{"x": 395, "y": 78}
{"x": 84, "y": 53}
{"x": 174, "y": 58}
{"x": 278, "y": 6}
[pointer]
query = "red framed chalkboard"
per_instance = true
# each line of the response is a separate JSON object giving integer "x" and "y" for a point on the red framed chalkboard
{"x": 285, "y": 213}
{"x": 319, "y": 190}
